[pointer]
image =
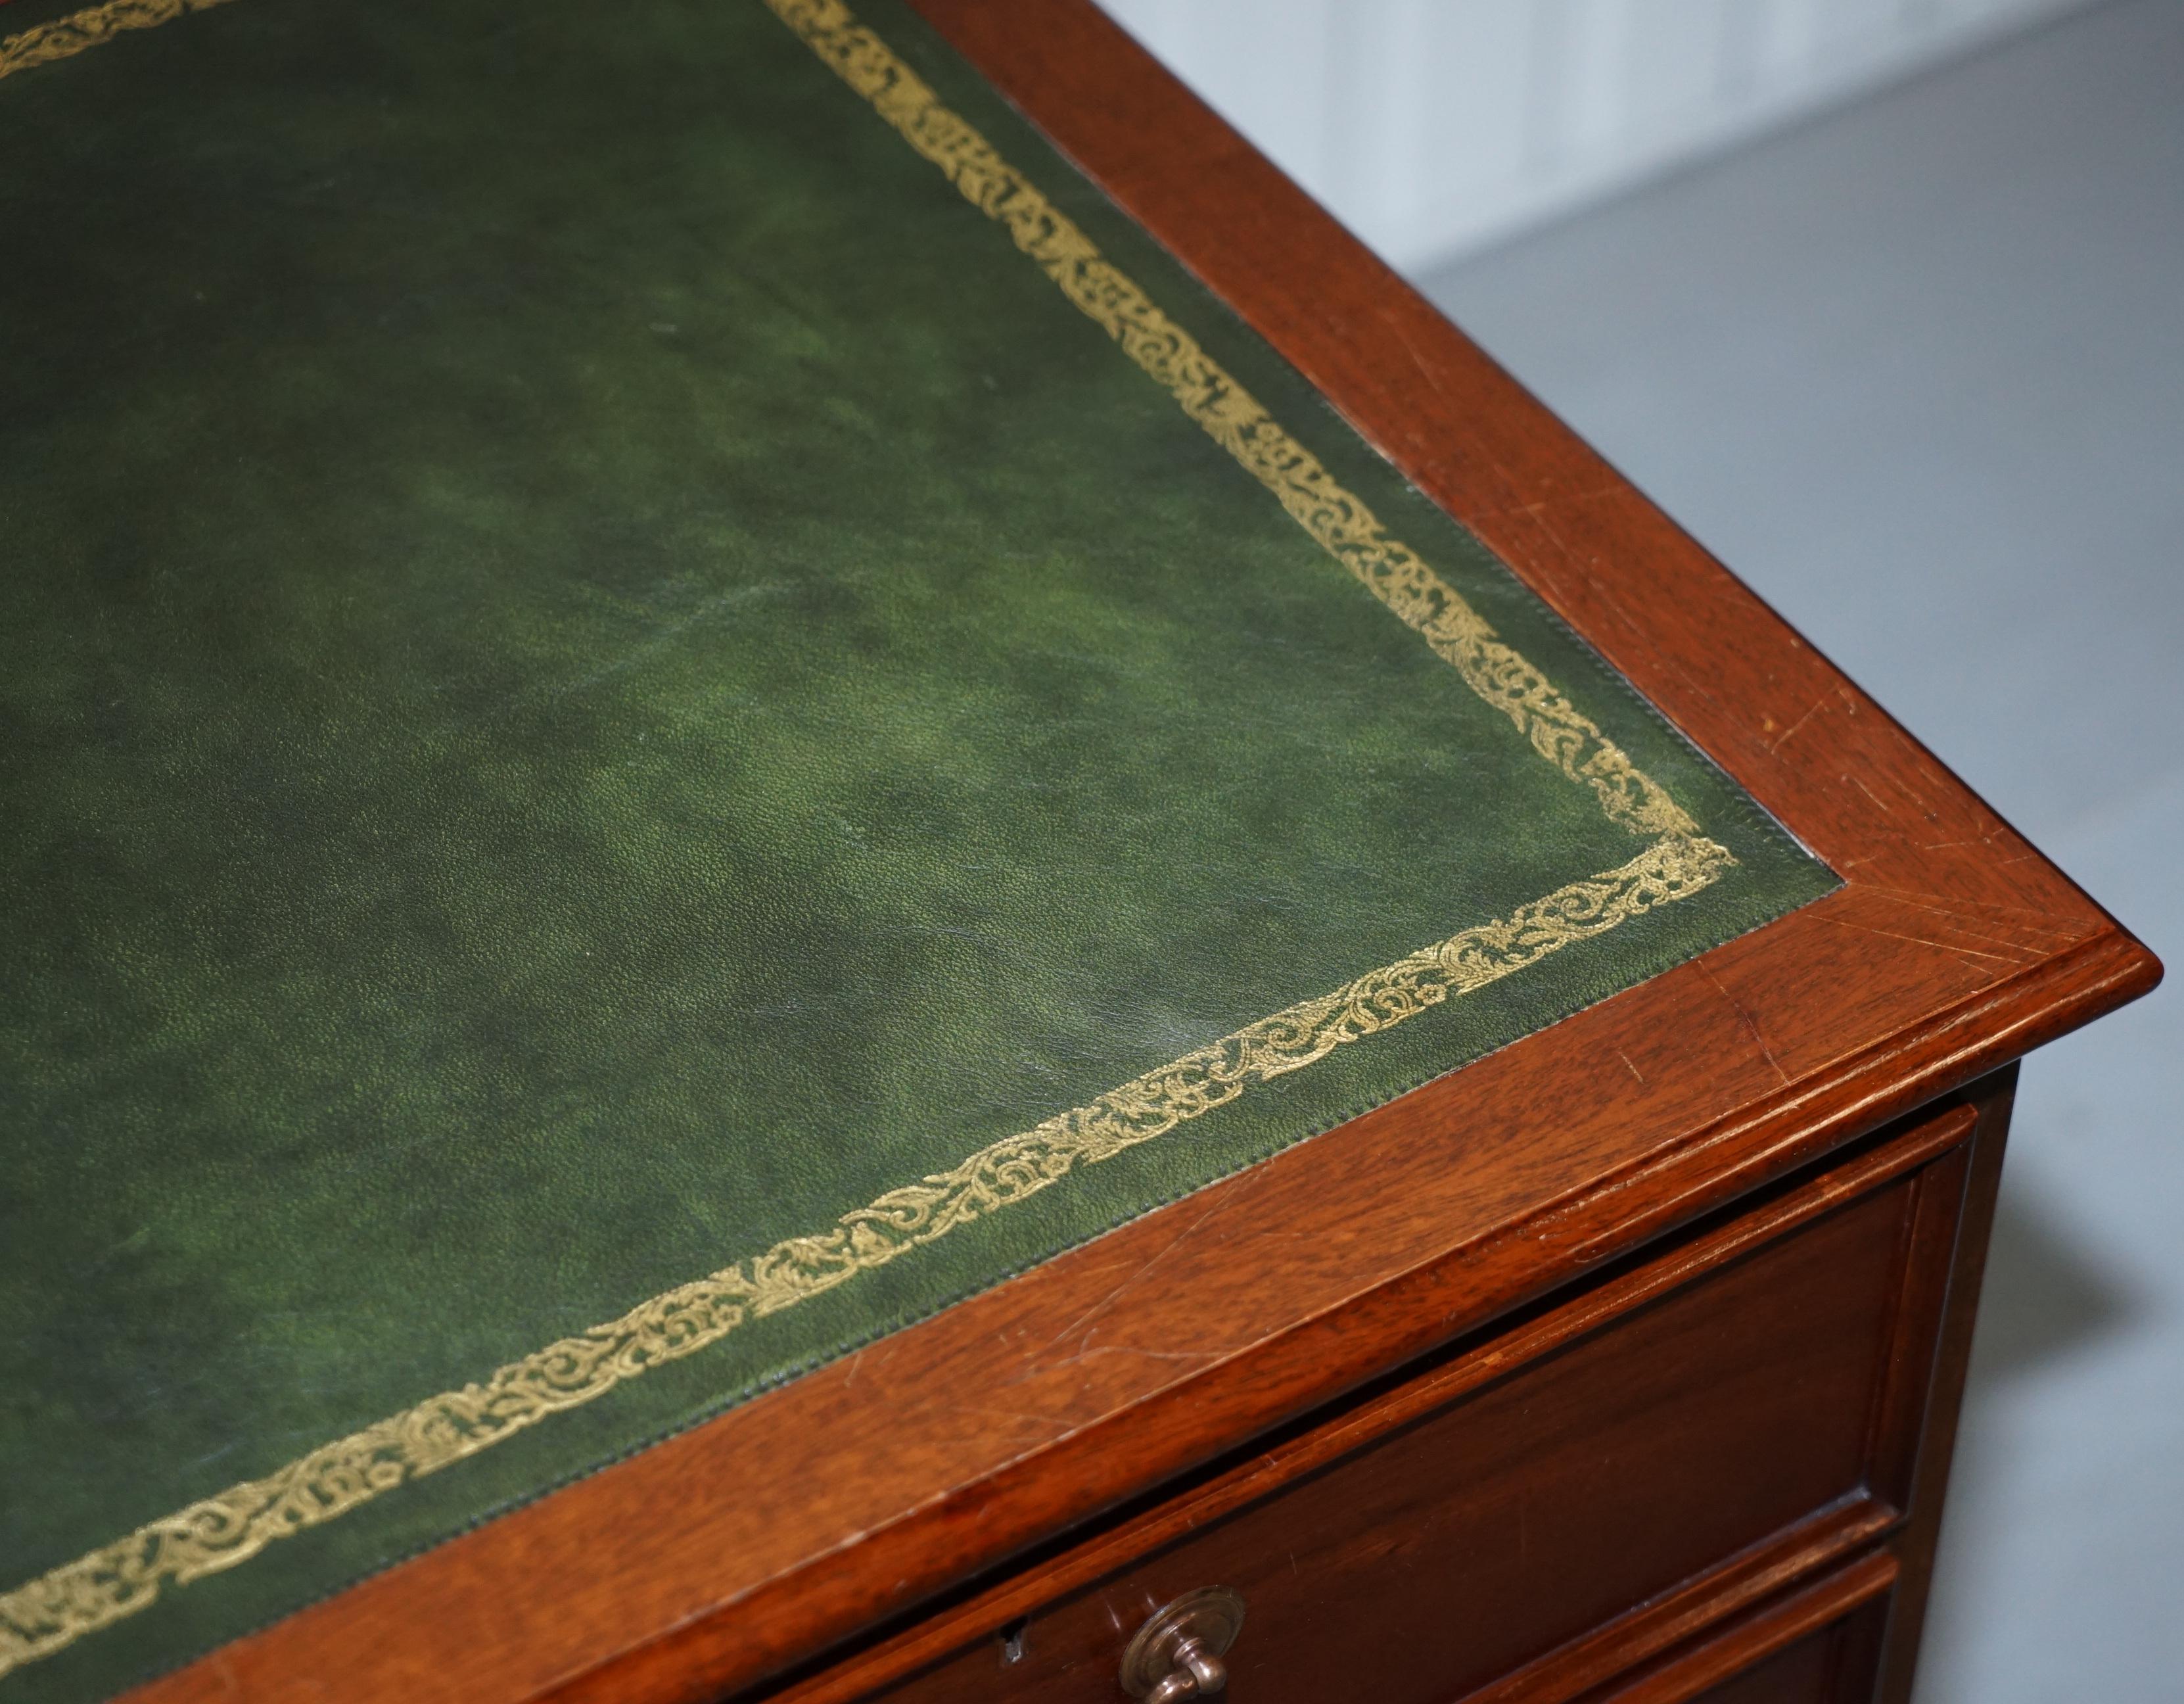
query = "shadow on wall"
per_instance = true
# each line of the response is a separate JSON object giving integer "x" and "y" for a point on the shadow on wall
{"x": 1432, "y": 127}
{"x": 2042, "y": 1300}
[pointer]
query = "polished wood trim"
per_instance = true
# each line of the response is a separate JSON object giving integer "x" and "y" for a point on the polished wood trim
{"x": 1929, "y": 1257}
{"x": 755, "y": 1540}
{"x": 1926, "y": 1471}
{"x": 1464, "y": 1370}
{"x": 1694, "y": 1609}
{"x": 1752, "y": 1641}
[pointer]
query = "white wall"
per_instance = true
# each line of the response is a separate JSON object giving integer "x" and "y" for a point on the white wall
{"x": 1433, "y": 128}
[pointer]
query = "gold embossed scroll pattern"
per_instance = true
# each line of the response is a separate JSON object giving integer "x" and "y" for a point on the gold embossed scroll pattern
{"x": 118, "y": 1578}
{"x": 1233, "y": 419}
{"x": 66, "y": 38}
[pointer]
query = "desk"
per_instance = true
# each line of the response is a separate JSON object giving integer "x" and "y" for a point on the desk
{"x": 1619, "y": 1359}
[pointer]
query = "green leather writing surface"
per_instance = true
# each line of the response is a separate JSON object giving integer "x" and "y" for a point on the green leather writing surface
{"x": 667, "y": 702}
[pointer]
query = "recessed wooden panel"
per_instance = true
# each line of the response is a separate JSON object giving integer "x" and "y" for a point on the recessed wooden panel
{"x": 1834, "y": 1666}
{"x": 1799, "y": 1675}
{"x": 1518, "y": 1518}
{"x": 1820, "y": 1644}
{"x": 1805, "y": 1674}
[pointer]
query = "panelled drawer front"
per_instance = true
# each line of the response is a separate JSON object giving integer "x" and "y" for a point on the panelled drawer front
{"x": 1454, "y": 1550}
{"x": 1817, "y": 1644}
{"x": 1803, "y": 1674}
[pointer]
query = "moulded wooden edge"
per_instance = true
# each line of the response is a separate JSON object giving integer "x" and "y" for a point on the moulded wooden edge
{"x": 772, "y": 1531}
{"x": 1716, "y": 1602}
{"x": 1924, "y": 1470}
{"x": 1765, "y": 1633}
{"x": 726, "y": 1554}
{"x": 1468, "y": 1369}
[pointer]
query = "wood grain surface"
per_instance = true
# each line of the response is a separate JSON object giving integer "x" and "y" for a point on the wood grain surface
{"x": 746, "y": 1544}
{"x": 1812, "y": 1647}
{"x": 1538, "y": 1510}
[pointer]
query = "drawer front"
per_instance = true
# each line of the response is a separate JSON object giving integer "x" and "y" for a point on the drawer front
{"x": 1839, "y": 1664}
{"x": 1820, "y": 1644}
{"x": 1836, "y": 1666}
{"x": 1803, "y": 1674}
{"x": 1543, "y": 1504}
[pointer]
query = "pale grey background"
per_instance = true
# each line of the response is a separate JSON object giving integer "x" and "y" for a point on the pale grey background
{"x": 1916, "y": 371}
{"x": 1434, "y": 127}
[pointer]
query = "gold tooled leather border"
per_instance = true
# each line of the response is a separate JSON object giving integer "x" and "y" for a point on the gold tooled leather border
{"x": 64, "y": 38}
{"x": 117, "y": 1579}
{"x": 1235, "y": 420}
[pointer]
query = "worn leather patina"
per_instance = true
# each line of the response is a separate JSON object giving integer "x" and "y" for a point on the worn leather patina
{"x": 607, "y": 660}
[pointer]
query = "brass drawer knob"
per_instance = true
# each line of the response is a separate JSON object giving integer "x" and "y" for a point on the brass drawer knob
{"x": 1177, "y": 1654}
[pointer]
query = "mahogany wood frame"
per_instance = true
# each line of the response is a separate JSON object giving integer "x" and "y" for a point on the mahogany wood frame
{"x": 1936, "y": 1156}
{"x": 750, "y": 1543}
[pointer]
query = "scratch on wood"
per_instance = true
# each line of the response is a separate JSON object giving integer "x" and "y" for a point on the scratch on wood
{"x": 2013, "y": 959}
{"x": 1790, "y": 733}
{"x": 1087, "y": 1353}
{"x": 1870, "y": 794}
{"x": 1751, "y": 1024}
{"x": 1221, "y": 1204}
{"x": 1045, "y": 1425}
{"x": 1433, "y": 380}
{"x": 2064, "y": 929}
{"x": 1912, "y": 793}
